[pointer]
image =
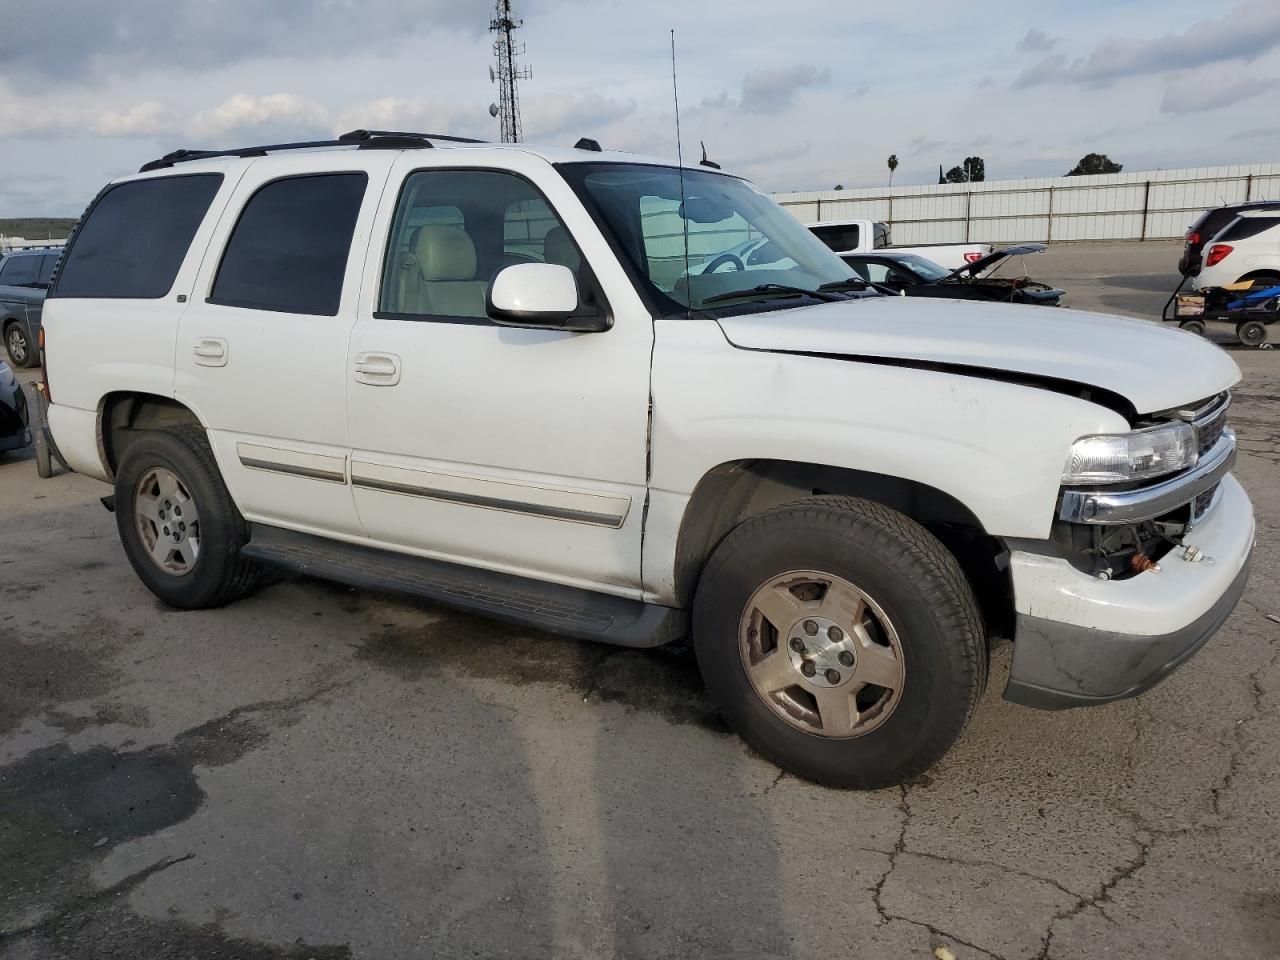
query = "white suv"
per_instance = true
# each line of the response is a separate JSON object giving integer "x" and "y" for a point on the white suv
{"x": 538, "y": 384}
{"x": 1247, "y": 248}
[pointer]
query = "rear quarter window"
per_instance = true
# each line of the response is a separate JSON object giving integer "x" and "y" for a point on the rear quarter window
{"x": 134, "y": 238}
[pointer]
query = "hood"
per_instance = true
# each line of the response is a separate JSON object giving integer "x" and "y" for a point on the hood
{"x": 991, "y": 259}
{"x": 1153, "y": 367}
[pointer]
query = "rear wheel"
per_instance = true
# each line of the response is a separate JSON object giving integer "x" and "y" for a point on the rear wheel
{"x": 1193, "y": 326}
{"x": 19, "y": 347}
{"x": 841, "y": 640}
{"x": 177, "y": 522}
{"x": 1252, "y": 333}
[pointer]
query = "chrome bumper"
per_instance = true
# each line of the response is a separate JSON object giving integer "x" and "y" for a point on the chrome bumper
{"x": 1130, "y": 506}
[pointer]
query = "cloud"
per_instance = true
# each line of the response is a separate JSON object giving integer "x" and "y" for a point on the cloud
{"x": 920, "y": 145}
{"x": 90, "y": 37}
{"x": 279, "y": 113}
{"x": 1249, "y": 31}
{"x": 1036, "y": 41}
{"x": 772, "y": 91}
{"x": 547, "y": 116}
{"x": 1209, "y": 90}
{"x": 140, "y": 120}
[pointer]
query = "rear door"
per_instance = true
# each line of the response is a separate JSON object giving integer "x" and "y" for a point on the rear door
{"x": 261, "y": 349}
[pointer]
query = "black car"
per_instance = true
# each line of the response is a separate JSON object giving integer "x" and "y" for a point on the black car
{"x": 24, "y": 280}
{"x": 13, "y": 412}
{"x": 917, "y": 277}
{"x": 1208, "y": 225}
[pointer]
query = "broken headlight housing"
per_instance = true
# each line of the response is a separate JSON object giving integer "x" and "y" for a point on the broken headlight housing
{"x": 1138, "y": 455}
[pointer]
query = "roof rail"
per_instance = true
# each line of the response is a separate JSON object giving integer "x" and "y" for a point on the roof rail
{"x": 361, "y": 139}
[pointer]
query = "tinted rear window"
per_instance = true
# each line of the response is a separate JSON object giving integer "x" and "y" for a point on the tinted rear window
{"x": 135, "y": 236}
{"x": 838, "y": 237}
{"x": 1246, "y": 227}
{"x": 289, "y": 250}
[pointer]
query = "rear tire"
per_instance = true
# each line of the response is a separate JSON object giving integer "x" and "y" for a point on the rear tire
{"x": 21, "y": 351}
{"x": 1252, "y": 333}
{"x": 178, "y": 524}
{"x": 1193, "y": 326}
{"x": 914, "y": 626}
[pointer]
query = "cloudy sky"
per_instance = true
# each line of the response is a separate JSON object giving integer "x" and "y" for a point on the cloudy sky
{"x": 795, "y": 95}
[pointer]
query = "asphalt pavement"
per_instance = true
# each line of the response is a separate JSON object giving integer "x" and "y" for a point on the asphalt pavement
{"x": 323, "y": 772}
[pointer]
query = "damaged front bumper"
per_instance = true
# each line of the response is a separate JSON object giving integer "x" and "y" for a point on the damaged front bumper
{"x": 1081, "y": 640}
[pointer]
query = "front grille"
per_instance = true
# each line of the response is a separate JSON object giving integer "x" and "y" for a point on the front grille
{"x": 1210, "y": 421}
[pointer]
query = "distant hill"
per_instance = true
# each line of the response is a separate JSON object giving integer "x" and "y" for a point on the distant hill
{"x": 37, "y": 228}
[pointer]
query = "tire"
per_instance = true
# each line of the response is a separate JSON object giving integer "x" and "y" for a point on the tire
{"x": 906, "y": 577}
{"x": 21, "y": 351}
{"x": 1193, "y": 326}
{"x": 164, "y": 471}
{"x": 1252, "y": 333}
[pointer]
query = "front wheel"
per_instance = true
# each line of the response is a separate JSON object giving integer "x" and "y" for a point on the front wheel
{"x": 841, "y": 640}
{"x": 177, "y": 522}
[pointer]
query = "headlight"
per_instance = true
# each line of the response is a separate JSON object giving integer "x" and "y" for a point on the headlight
{"x": 1119, "y": 457}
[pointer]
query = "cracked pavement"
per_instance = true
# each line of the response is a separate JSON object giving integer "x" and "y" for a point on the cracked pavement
{"x": 321, "y": 772}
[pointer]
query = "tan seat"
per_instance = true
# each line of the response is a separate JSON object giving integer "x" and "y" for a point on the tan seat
{"x": 444, "y": 282}
{"x": 558, "y": 248}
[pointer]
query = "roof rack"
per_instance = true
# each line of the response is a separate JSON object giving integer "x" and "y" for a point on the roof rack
{"x": 361, "y": 139}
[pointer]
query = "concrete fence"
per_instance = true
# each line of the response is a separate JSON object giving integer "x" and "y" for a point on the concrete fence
{"x": 1150, "y": 205}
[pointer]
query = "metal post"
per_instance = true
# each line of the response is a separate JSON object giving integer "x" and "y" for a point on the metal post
{"x": 968, "y": 204}
{"x": 1049, "y": 228}
{"x": 1248, "y": 187}
{"x": 819, "y": 217}
{"x": 1146, "y": 203}
{"x": 891, "y": 212}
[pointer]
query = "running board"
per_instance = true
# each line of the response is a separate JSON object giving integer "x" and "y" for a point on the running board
{"x": 569, "y": 611}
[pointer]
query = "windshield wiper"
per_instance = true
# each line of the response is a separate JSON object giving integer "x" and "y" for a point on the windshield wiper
{"x": 775, "y": 289}
{"x": 859, "y": 284}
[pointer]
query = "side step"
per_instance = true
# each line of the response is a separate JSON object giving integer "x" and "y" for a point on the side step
{"x": 569, "y": 611}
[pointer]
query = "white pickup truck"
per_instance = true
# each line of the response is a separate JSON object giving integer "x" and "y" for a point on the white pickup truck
{"x": 866, "y": 236}
{"x": 489, "y": 376}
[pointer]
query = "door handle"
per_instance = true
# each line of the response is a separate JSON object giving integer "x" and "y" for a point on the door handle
{"x": 378, "y": 369}
{"x": 210, "y": 352}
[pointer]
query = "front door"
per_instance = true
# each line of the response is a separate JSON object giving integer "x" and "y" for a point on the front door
{"x": 262, "y": 347}
{"x": 514, "y": 449}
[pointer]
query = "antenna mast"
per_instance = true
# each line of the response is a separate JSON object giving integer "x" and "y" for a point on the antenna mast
{"x": 506, "y": 50}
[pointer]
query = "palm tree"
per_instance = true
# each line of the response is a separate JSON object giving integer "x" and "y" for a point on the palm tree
{"x": 893, "y": 165}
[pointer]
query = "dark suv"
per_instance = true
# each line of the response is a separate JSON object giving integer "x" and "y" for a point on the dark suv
{"x": 24, "y": 280}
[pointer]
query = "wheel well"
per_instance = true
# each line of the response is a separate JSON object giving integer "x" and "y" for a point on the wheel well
{"x": 123, "y": 416}
{"x": 1255, "y": 274}
{"x": 732, "y": 492}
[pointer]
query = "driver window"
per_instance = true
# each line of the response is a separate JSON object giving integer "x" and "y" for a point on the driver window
{"x": 454, "y": 230}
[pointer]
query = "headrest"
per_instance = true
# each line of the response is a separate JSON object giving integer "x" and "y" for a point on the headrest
{"x": 558, "y": 248}
{"x": 444, "y": 252}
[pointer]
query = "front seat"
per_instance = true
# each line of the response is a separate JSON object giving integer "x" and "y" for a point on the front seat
{"x": 558, "y": 248}
{"x": 447, "y": 284}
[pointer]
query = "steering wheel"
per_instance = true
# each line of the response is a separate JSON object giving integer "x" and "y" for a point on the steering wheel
{"x": 721, "y": 260}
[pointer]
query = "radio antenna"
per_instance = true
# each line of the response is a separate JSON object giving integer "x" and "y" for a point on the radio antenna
{"x": 675, "y": 95}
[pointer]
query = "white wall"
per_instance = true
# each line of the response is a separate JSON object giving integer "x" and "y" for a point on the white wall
{"x": 1149, "y": 205}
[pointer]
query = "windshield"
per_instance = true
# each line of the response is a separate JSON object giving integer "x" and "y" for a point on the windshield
{"x": 925, "y": 268}
{"x": 739, "y": 241}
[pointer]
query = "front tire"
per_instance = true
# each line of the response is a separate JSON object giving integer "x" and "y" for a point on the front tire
{"x": 178, "y": 524}
{"x": 841, "y": 640}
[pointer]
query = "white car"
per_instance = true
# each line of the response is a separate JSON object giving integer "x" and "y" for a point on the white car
{"x": 486, "y": 375}
{"x": 847, "y": 237}
{"x": 1247, "y": 248}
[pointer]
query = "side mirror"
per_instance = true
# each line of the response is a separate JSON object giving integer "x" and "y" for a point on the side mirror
{"x": 540, "y": 295}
